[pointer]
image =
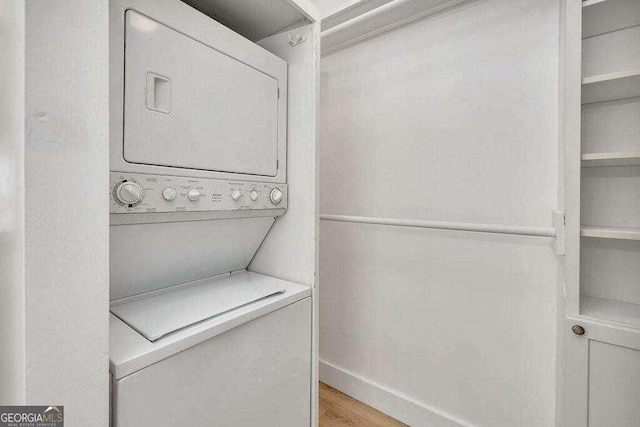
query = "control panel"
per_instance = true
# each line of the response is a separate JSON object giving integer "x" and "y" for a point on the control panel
{"x": 142, "y": 193}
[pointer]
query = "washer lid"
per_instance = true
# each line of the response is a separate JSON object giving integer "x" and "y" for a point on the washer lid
{"x": 159, "y": 315}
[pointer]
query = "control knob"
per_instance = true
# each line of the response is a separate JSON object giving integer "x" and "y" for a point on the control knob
{"x": 169, "y": 194}
{"x": 276, "y": 196}
{"x": 253, "y": 195}
{"x": 129, "y": 193}
{"x": 193, "y": 195}
{"x": 236, "y": 194}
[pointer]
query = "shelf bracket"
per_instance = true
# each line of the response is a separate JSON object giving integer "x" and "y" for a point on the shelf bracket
{"x": 559, "y": 221}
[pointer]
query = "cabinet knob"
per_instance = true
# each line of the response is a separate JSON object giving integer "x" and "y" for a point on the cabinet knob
{"x": 578, "y": 330}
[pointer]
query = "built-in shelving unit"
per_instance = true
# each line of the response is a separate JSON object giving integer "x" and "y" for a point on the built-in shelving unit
{"x": 610, "y": 107}
{"x": 610, "y": 233}
{"x": 631, "y": 158}
{"x": 601, "y": 103}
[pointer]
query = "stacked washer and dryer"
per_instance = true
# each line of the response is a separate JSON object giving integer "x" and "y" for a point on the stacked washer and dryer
{"x": 198, "y": 178}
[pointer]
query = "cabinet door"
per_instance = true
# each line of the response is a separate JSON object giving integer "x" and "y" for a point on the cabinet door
{"x": 602, "y": 375}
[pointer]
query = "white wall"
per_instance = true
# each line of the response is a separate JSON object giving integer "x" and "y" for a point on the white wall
{"x": 63, "y": 303}
{"x": 454, "y": 118}
{"x": 289, "y": 250}
{"x": 11, "y": 200}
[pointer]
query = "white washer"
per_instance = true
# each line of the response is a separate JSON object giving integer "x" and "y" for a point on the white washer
{"x": 245, "y": 367}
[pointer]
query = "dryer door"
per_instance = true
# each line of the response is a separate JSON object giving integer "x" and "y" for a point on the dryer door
{"x": 188, "y": 105}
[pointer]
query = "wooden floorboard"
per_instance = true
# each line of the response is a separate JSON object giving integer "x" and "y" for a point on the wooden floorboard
{"x": 338, "y": 409}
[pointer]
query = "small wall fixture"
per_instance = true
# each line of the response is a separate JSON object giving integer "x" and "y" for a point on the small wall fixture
{"x": 298, "y": 39}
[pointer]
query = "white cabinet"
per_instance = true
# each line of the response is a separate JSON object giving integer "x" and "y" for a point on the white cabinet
{"x": 602, "y": 166}
{"x": 602, "y": 375}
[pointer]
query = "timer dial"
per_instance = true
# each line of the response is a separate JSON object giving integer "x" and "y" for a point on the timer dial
{"x": 129, "y": 193}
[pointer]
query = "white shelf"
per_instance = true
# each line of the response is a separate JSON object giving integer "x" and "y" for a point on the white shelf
{"x": 606, "y": 309}
{"x": 610, "y": 233}
{"x": 258, "y": 19}
{"x": 611, "y": 86}
{"x": 625, "y": 158}
{"x": 605, "y": 16}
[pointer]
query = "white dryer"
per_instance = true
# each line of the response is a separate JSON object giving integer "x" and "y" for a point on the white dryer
{"x": 198, "y": 178}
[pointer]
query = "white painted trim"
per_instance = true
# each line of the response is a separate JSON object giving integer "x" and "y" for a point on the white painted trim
{"x": 561, "y": 238}
{"x": 382, "y": 19}
{"x": 384, "y": 399}
{"x": 571, "y": 131}
{"x": 445, "y": 225}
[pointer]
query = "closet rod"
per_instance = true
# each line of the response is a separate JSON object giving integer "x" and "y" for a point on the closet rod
{"x": 444, "y": 225}
{"x": 421, "y": 11}
{"x": 367, "y": 15}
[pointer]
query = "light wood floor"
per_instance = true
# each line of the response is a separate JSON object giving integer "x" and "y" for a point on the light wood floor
{"x": 338, "y": 409}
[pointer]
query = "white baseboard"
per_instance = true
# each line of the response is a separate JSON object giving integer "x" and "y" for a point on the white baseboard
{"x": 391, "y": 402}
